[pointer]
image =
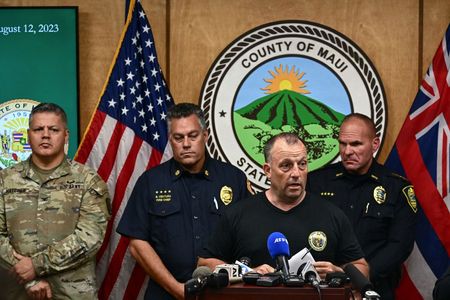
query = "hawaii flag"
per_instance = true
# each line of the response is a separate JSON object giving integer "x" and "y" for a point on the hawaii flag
{"x": 421, "y": 153}
{"x": 126, "y": 136}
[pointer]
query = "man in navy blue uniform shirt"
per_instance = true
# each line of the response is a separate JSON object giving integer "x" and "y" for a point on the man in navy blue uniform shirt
{"x": 380, "y": 204}
{"x": 174, "y": 207}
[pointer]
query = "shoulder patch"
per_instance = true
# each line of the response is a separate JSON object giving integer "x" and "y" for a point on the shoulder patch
{"x": 408, "y": 191}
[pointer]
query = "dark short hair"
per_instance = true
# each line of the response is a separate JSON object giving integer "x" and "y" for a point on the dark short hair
{"x": 365, "y": 119}
{"x": 289, "y": 137}
{"x": 48, "y": 107}
{"x": 184, "y": 110}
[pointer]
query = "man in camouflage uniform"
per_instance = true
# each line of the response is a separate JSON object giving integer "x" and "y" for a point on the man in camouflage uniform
{"x": 53, "y": 216}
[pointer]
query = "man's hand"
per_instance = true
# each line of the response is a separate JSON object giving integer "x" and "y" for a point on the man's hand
{"x": 40, "y": 291}
{"x": 325, "y": 267}
{"x": 264, "y": 269}
{"x": 23, "y": 271}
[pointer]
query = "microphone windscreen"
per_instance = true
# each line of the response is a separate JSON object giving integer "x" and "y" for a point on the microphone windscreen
{"x": 218, "y": 280}
{"x": 202, "y": 271}
{"x": 246, "y": 261}
{"x": 359, "y": 281}
{"x": 333, "y": 275}
{"x": 278, "y": 245}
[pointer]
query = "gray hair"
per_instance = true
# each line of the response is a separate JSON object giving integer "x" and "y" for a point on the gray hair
{"x": 289, "y": 137}
{"x": 184, "y": 110}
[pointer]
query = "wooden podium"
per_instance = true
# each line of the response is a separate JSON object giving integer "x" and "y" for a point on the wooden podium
{"x": 242, "y": 291}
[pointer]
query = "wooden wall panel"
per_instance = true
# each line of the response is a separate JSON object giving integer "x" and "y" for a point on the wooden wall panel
{"x": 387, "y": 32}
{"x": 194, "y": 32}
{"x": 436, "y": 18}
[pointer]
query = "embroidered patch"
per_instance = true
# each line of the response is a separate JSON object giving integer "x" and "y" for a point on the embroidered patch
{"x": 408, "y": 191}
{"x": 317, "y": 240}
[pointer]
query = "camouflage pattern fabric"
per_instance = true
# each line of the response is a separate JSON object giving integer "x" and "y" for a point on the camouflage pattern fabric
{"x": 60, "y": 224}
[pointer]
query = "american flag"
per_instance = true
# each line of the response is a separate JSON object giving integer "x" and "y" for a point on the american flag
{"x": 421, "y": 153}
{"x": 127, "y": 135}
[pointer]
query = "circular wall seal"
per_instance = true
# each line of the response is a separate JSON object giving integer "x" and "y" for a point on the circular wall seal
{"x": 289, "y": 76}
{"x": 13, "y": 131}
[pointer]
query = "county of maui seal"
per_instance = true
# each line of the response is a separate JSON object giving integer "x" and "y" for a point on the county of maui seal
{"x": 13, "y": 131}
{"x": 290, "y": 76}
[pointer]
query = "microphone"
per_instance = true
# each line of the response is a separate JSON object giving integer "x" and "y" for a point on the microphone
{"x": 232, "y": 271}
{"x": 244, "y": 263}
{"x": 202, "y": 277}
{"x": 198, "y": 281}
{"x": 279, "y": 250}
{"x": 336, "y": 279}
{"x": 310, "y": 277}
{"x": 360, "y": 282}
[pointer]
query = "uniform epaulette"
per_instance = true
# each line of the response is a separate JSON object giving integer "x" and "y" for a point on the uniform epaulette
{"x": 398, "y": 176}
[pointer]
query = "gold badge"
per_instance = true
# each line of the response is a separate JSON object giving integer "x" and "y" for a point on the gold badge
{"x": 408, "y": 191}
{"x": 317, "y": 240}
{"x": 226, "y": 195}
{"x": 177, "y": 172}
{"x": 379, "y": 194}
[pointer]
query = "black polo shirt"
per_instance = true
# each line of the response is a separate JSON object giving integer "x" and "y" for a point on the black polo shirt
{"x": 175, "y": 211}
{"x": 382, "y": 208}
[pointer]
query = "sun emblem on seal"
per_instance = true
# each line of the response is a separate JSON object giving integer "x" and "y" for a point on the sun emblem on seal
{"x": 14, "y": 116}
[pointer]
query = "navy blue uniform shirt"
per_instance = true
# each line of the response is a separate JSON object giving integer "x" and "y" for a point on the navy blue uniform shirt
{"x": 176, "y": 211}
{"x": 382, "y": 208}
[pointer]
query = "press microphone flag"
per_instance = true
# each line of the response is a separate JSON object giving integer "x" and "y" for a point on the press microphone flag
{"x": 278, "y": 247}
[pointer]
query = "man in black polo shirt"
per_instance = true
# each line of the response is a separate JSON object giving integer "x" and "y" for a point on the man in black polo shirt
{"x": 380, "y": 204}
{"x": 174, "y": 207}
{"x": 305, "y": 219}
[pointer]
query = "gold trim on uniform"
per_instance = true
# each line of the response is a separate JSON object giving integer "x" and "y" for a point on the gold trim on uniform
{"x": 379, "y": 194}
{"x": 249, "y": 187}
{"x": 408, "y": 191}
{"x": 326, "y": 194}
{"x": 206, "y": 173}
{"x": 177, "y": 172}
{"x": 317, "y": 240}
{"x": 226, "y": 195}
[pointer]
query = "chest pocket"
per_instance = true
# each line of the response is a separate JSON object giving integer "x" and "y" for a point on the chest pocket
{"x": 62, "y": 208}
{"x": 167, "y": 220}
{"x": 376, "y": 221}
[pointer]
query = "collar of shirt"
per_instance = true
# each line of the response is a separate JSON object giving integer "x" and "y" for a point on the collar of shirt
{"x": 26, "y": 170}
{"x": 177, "y": 170}
{"x": 374, "y": 173}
